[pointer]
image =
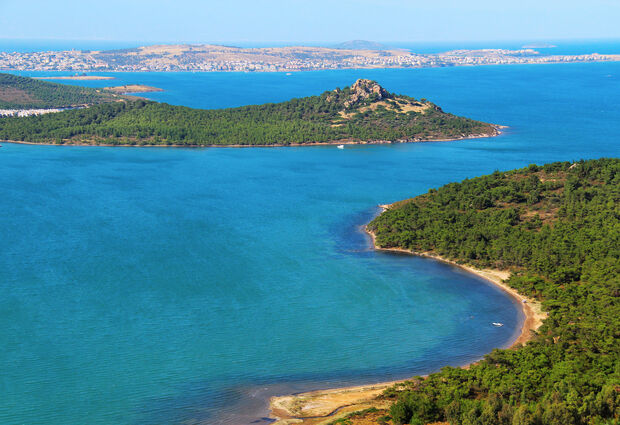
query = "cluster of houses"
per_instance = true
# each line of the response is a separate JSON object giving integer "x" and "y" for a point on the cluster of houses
{"x": 74, "y": 60}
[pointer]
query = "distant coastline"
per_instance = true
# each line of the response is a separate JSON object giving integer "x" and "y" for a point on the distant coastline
{"x": 216, "y": 58}
{"x": 313, "y": 407}
{"x": 77, "y": 77}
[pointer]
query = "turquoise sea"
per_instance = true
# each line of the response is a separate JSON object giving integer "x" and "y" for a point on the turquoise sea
{"x": 169, "y": 286}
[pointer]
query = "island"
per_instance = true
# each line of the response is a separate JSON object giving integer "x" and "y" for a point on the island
{"x": 552, "y": 231}
{"x": 133, "y": 88}
{"x": 363, "y": 113}
{"x": 214, "y": 58}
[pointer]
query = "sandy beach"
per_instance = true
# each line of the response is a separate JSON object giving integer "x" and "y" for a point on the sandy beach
{"x": 324, "y": 406}
{"x": 532, "y": 309}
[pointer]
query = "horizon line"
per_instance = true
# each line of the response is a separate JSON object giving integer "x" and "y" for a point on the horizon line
{"x": 300, "y": 42}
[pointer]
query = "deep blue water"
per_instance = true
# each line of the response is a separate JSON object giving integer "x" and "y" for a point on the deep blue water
{"x": 161, "y": 285}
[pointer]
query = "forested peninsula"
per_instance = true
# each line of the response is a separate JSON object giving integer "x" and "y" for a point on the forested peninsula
{"x": 22, "y": 92}
{"x": 362, "y": 113}
{"x": 556, "y": 228}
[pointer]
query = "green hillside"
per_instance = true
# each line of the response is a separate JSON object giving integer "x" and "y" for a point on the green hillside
{"x": 360, "y": 113}
{"x": 557, "y": 227}
{"x": 25, "y": 93}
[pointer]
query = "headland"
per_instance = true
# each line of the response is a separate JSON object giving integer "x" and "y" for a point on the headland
{"x": 550, "y": 227}
{"x": 325, "y": 406}
{"x": 362, "y": 113}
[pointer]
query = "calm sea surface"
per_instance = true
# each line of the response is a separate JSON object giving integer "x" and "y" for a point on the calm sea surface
{"x": 165, "y": 286}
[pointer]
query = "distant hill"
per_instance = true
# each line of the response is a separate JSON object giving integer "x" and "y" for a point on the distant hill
{"x": 364, "y": 112}
{"x": 538, "y": 46}
{"x": 362, "y": 45}
{"x": 24, "y": 93}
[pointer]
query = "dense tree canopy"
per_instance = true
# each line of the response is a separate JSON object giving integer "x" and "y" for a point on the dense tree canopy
{"x": 24, "y": 93}
{"x": 557, "y": 227}
{"x": 339, "y": 115}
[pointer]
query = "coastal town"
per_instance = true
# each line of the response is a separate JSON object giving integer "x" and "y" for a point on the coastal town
{"x": 206, "y": 58}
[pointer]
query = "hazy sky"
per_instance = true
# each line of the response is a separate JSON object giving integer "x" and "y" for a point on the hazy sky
{"x": 309, "y": 20}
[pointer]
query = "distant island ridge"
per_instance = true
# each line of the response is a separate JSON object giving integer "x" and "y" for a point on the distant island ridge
{"x": 539, "y": 46}
{"x": 364, "y": 45}
{"x": 356, "y": 54}
{"x": 365, "y": 112}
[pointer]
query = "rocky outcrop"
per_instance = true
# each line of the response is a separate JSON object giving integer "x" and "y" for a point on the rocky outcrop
{"x": 363, "y": 89}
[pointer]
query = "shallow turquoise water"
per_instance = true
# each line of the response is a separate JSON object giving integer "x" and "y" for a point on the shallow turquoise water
{"x": 149, "y": 286}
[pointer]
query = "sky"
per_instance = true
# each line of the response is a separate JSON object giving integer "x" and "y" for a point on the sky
{"x": 311, "y": 21}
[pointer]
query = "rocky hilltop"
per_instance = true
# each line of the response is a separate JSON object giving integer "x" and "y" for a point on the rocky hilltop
{"x": 363, "y": 90}
{"x": 365, "y": 97}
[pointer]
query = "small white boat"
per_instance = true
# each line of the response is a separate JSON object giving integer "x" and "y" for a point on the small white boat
{"x": 498, "y": 324}
{"x": 340, "y": 146}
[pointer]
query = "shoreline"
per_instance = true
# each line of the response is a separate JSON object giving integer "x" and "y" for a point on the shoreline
{"x": 600, "y": 58}
{"x": 323, "y": 406}
{"x": 497, "y": 132}
{"x": 531, "y": 309}
{"x": 77, "y": 77}
{"x": 133, "y": 88}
